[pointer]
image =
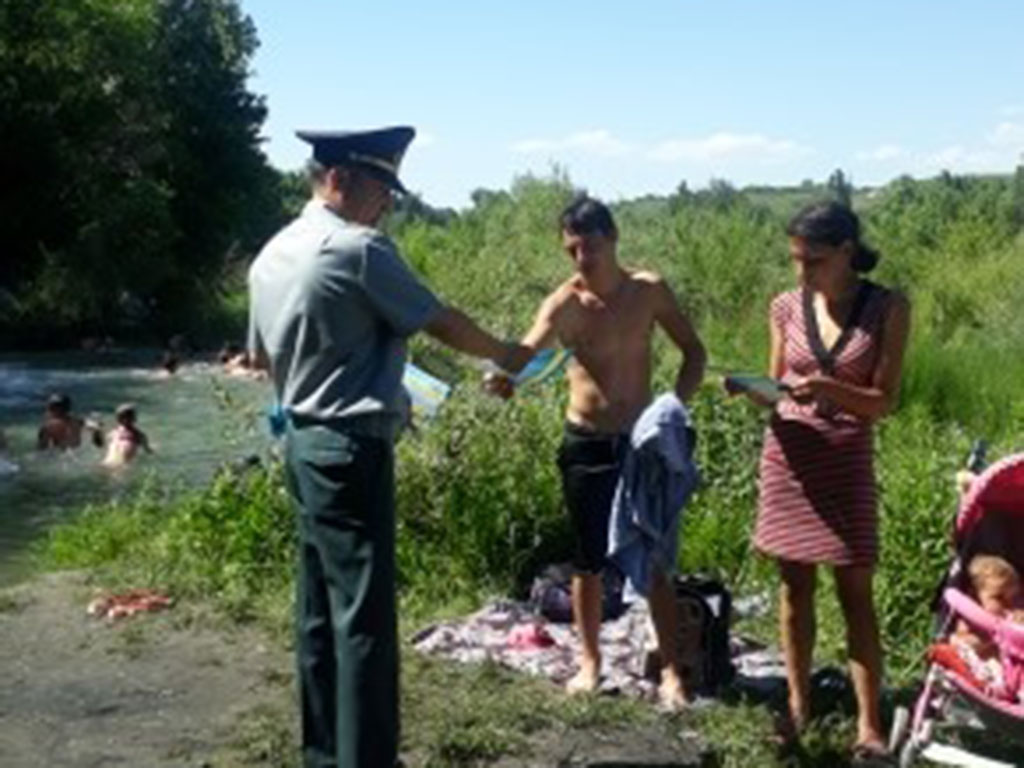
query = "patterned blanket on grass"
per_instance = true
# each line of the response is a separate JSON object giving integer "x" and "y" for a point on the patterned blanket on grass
{"x": 513, "y": 635}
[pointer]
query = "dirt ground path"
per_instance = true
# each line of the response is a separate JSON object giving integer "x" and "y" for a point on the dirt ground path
{"x": 181, "y": 689}
{"x": 147, "y": 691}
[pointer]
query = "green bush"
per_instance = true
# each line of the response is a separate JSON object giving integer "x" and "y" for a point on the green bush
{"x": 479, "y": 497}
{"x": 232, "y": 543}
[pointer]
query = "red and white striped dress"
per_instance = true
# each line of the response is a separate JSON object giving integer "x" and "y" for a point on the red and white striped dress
{"x": 818, "y": 500}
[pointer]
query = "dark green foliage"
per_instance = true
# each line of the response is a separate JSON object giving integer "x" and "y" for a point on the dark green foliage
{"x": 130, "y": 155}
{"x": 479, "y": 498}
{"x": 716, "y": 529}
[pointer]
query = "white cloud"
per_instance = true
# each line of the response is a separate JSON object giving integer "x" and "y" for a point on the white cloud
{"x": 882, "y": 153}
{"x": 599, "y": 142}
{"x": 722, "y": 146}
{"x": 958, "y": 158}
{"x": 533, "y": 146}
{"x": 997, "y": 151}
{"x": 595, "y": 142}
{"x": 1007, "y": 134}
{"x": 947, "y": 157}
{"x": 727, "y": 146}
{"x": 1012, "y": 110}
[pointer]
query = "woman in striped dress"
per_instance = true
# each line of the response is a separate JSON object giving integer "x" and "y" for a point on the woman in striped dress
{"x": 837, "y": 345}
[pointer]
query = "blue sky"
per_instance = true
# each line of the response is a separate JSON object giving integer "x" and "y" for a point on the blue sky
{"x": 633, "y": 97}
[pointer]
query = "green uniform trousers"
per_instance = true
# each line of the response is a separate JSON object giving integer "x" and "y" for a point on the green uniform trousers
{"x": 343, "y": 487}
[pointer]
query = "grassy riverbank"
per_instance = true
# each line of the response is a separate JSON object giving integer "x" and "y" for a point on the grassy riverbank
{"x": 479, "y": 506}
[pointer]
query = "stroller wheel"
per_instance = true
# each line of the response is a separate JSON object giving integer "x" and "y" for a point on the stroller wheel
{"x": 900, "y": 726}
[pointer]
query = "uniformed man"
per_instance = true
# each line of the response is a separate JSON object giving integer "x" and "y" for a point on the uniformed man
{"x": 332, "y": 304}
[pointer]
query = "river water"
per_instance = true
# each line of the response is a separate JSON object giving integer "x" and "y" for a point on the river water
{"x": 196, "y": 420}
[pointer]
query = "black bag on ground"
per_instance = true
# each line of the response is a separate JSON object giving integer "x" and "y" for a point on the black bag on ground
{"x": 551, "y": 594}
{"x": 703, "y": 616}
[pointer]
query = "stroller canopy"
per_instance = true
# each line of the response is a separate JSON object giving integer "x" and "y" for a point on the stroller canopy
{"x": 1000, "y": 488}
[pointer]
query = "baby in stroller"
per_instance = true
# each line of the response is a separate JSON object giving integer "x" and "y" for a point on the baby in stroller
{"x": 995, "y": 585}
{"x": 976, "y": 659}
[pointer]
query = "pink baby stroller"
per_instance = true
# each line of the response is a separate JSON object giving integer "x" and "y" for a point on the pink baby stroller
{"x": 990, "y": 521}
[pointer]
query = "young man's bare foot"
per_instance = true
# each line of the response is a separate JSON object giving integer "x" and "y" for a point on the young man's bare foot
{"x": 586, "y": 680}
{"x": 672, "y": 694}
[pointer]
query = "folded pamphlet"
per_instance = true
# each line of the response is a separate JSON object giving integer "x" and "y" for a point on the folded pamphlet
{"x": 425, "y": 391}
{"x": 766, "y": 387}
{"x": 542, "y": 366}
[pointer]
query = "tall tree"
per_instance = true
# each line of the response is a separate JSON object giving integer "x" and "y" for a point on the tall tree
{"x": 74, "y": 92}
{"x": 129, "y": 155}
{"x": 840, "y": 188}
{"x": 212, "y": 160}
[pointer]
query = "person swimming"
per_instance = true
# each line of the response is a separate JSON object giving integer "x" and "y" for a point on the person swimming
{"x": 125, "y": 440}
{"x": 63, "y": 430}
{"x": 238, "y": 362}
{"x": 169, "y": 362}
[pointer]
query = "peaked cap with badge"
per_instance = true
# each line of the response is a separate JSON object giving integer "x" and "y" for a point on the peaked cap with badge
{"x": 378, "y": 152}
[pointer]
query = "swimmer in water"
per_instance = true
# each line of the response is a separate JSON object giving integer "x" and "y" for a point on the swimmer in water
{"x": 125, "y": 440}
{"x": 63, "y": 430}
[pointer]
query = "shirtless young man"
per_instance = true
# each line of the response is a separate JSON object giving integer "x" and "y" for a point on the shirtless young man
{"x": 62, "y": 429}
{"x": 606, "y": 315}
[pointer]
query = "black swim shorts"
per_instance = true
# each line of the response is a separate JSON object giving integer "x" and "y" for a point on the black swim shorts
{"x": 590, "y": 463}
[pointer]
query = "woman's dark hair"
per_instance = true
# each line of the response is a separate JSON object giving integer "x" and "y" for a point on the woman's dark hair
{"x": 833, "y": 224}
{"x": 587, "y": 216}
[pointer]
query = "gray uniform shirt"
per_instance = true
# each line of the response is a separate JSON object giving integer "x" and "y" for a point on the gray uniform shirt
{"x": 331, "y": 304}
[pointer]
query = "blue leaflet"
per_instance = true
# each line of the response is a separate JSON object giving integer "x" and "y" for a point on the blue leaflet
{"x": 426, "y": 392}
{"x": 542, "y": 366}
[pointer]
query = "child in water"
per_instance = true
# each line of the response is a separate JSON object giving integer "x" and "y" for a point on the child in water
{"x": 125, "y": 440}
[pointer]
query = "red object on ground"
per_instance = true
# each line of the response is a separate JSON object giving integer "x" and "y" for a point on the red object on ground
{"x": 128, "y": 604}
{"x": 530, "y": 637}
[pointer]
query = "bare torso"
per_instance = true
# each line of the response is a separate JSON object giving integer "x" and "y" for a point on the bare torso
{"x": 609, "y": 377}
{"x": 61, "y": 432}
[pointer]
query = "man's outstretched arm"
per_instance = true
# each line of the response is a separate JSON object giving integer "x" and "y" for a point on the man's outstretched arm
{"x": 454, "y": 328}
{"x": 542, "y": 334}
